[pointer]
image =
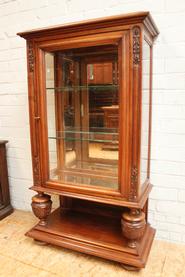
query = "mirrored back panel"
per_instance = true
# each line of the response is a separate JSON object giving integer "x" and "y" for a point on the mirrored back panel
{"x": 82, "y": 87}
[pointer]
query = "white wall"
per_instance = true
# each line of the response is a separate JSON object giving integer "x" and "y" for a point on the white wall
{"x": 167, "y": 201}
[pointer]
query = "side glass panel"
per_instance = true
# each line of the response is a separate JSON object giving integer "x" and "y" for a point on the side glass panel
{"x": 82, "y": 89}
{"x": 145, "y": 112}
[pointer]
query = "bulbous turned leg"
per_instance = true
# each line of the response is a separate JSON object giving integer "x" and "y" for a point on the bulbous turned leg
{"x": 133, "y": 226}
{"x": 41, "y": 206}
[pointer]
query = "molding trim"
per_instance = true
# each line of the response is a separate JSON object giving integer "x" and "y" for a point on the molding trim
{"x": 134, "y": 181}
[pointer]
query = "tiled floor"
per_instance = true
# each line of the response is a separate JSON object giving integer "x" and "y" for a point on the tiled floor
{"x": 21, "y": 257}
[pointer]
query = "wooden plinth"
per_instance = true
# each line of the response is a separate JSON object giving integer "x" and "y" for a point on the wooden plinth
{"x": 95, "y": 235}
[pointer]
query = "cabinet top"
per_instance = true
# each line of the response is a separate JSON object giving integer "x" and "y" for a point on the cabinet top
{"x": 103, "y": 22}
{"x": 3, "y": 142}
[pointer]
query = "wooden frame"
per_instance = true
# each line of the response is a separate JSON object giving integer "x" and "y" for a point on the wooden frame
{"x": 130, "y": 201}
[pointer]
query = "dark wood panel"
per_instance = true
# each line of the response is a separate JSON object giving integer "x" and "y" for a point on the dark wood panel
{"x": 5, "y": 206}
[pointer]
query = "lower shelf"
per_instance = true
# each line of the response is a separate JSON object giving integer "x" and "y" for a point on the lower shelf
{"x": 95, "y": 235}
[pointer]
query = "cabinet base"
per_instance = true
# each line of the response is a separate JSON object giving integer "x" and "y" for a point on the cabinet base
{"x": 95, "y": 235}
{"x": 5, "y": 211}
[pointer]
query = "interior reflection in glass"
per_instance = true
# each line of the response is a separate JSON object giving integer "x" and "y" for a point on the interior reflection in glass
{"x": 82, "y": 105}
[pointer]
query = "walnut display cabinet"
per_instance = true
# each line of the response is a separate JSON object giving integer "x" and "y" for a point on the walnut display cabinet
{"x": 90, "y": 95}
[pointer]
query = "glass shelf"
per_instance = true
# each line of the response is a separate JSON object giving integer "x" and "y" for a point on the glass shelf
{"x": 95, "y": 130}
{"x": 94, "y": 135}
{"x": 85, "y": 139}
{"x": 84, "y": 87}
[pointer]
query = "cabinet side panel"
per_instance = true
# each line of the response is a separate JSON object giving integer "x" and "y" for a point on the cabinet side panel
{"x": 136, "y": 69}
{"x": 146, "y": 111}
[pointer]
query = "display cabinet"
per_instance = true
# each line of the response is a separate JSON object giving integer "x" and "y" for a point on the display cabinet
{"x": 90, "y": 95}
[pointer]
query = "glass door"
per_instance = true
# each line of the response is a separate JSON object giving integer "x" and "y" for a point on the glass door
{"x": 82, "y": 88}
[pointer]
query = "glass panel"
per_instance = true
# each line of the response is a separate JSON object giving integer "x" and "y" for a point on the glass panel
{"x": 145, "y": 112}
{"x": 51, "y": 110}
{"x": 82, "y": 106}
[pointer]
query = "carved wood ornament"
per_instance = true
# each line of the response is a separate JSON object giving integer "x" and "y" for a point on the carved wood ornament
{"x": 36, "y": 170}
{"x": 134, "y": 180}
{"x": 41, "y": 206}
{"x": 136, "y": 45}
{"x": 133, "y": 225}
{"x": 136, "y": 33}
{"x": 30, "y": 57}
